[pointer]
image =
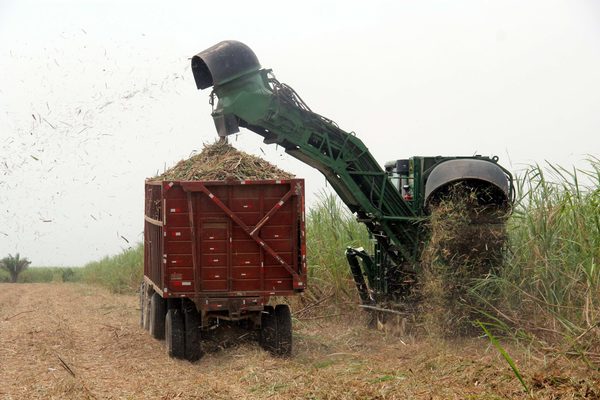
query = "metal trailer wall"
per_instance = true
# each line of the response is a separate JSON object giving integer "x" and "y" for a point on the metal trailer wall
{"x": 225, "y": 244}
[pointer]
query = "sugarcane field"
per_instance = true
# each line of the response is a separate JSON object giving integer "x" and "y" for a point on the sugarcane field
{"x": 211, "y": 201}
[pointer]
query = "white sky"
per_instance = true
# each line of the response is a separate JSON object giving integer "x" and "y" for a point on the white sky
{"x": 109, "y": 85}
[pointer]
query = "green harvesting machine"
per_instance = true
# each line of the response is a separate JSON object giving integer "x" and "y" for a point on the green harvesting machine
{"x": 393, "y": 202}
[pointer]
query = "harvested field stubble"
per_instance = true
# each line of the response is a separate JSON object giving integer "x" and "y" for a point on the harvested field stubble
{"x": 221, "y": 161}
{"x": 106, "y": 355}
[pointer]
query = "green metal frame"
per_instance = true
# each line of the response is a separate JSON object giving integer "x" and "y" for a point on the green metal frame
{"x": 343, "y": 158}
{"x": 257, "y": 101}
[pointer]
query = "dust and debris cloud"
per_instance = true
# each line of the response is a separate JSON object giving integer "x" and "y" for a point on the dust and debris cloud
{"x": 71, "y": 154}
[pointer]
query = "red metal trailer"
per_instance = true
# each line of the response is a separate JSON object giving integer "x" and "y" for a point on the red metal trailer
{"x": 217, "y": 251}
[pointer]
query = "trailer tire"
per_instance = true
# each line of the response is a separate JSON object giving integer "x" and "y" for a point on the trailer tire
{"x": 175, "y": 333}
{"x": 192, "y": 323}
{"x": 284, "y": 330}
{"x": 158, "y": 309}
{"x": 268, "y": 329}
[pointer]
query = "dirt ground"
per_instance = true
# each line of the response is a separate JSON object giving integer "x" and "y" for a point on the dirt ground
{"x": 72, "y": 341}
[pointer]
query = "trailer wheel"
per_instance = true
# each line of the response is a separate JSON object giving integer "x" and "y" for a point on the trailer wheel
{"x": 284, "y": 330}
{"x": 158, "y": 309}
{"x": 193, "y": 351}
{"x": 268, "y": 329}
{"x": 175, "y": 333}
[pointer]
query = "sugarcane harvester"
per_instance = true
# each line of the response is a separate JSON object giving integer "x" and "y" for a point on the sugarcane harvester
{"x": 393, "y": 202}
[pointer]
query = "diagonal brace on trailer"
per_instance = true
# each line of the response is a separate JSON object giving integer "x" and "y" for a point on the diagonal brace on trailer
{"x": 272, "y": 211}
{"x": 252, "y": 232}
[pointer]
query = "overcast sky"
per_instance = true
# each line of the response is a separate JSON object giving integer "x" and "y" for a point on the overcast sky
{"x": 95, "y": 96}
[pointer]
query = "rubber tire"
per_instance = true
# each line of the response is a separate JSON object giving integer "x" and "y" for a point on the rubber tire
{"x": 175, "y": 333}
{"x": 283, "y": 316}
{"x": 193, "y": 350}
{"x": 268, "y": 329}
{"x": 158, "y": 309}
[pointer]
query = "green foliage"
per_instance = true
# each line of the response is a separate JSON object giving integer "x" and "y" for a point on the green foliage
{"x": 551, "y": 278}
{"x": 330, "y": 228}
{"x": 14, "y": 265}
{"x": 50, "y": 274}
{"x": 121, "y": 273}
{"x": 45, "y": 274}
{"x": 504, "y": 354}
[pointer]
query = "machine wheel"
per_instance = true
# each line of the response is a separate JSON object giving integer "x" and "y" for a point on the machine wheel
{"x": 284, "y": 330}
{"x": 158, "y": 309}
{"x": 268, "y": 329}
{"x": 193, "y": 351}
{"x": 175, "y": 333}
